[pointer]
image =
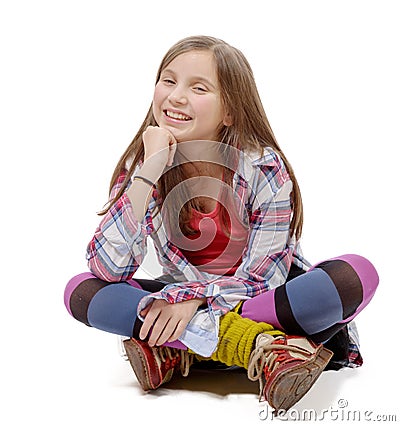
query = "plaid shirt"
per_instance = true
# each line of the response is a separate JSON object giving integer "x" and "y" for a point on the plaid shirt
{"x": 263, "y": 187}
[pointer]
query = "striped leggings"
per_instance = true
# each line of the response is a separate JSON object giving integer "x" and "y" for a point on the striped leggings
{"x": 316, "y": 304}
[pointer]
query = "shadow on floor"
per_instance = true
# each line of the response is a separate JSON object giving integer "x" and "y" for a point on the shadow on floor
{"x": 218, "y": 382}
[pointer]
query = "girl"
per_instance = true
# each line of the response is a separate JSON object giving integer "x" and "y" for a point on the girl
{"x": 205, "y": 178}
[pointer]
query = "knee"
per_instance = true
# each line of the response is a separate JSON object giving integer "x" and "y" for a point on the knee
{"x": 366, "y": 272}
{"x": 72, "y": 285}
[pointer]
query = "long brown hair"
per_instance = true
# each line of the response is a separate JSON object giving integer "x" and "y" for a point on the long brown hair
{"x": 250, "y": 129}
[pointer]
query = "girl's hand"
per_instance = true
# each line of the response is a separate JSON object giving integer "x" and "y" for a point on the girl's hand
{"x": 160, "y": 142}
{"x": 167, "y": 320}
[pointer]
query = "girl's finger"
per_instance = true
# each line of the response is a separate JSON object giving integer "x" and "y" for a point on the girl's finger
{"x": 178, "y": 331}
{"x": 168, "y": 331}
{"x": 158, "y": 330}
{"x": 149, "y": 320}
{"x": 145, "y": 311}
{"x": 171, "y": 154}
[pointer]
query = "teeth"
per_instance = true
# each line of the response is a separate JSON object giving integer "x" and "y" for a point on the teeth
{"x": 177, "y": 116}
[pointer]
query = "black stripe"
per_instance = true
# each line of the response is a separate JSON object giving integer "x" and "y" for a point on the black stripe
{"x": 136, "y": 328}
{"x": 83, "y": 295}
{"x": 151, "y": 285}
{"x": 328, "y": 333}
{"x": 347, "y": 284}
{"x": 294, "y": 272}
{"x": 284, "y": 313}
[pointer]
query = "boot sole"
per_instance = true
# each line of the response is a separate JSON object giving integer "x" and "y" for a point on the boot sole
{"x": 140, "y": 367}
{"x": 289, "y": 387}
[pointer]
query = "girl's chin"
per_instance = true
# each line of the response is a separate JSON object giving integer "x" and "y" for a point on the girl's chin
{"x": 174, "y": 132}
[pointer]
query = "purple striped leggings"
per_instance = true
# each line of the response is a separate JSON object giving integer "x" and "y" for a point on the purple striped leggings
{"x": 317, "y": 304}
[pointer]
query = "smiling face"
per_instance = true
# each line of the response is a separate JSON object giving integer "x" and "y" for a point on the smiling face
{"x": 187, "y": 99}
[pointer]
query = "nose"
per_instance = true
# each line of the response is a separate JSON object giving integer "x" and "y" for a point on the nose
{"x": 178, "y": 95}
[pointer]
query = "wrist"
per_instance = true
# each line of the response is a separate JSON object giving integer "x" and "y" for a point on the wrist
{"x": 156, "y": 161}
{"x": 151, "y": 170}
{"x": 144, "y": 180}
{"x": 201, "y": 302}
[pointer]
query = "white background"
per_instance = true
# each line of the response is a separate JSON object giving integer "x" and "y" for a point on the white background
{"x": 76, "y": 82}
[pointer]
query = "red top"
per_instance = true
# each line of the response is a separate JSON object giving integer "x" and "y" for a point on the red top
{"x": 211, "y": 250}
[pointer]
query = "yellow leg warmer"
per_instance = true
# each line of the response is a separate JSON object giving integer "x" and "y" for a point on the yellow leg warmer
{"x": 236, "y": 339}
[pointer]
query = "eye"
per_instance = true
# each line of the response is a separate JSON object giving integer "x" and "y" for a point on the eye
{"x": 168, "y": 81}
{"x": 200, "y": 89}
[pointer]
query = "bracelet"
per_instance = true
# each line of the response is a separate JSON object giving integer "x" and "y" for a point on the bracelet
{"x": 145, "y": 180}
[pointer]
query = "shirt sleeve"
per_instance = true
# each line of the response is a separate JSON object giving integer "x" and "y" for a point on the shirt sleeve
{"x": 118, "y": 246}
{"x": 267, "y": 259}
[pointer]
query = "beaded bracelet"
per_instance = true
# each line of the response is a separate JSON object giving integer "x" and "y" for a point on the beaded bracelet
{"x": 145, "y": 180}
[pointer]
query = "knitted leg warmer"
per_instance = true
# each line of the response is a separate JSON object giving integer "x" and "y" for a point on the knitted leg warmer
{"x": 236, "y": 339}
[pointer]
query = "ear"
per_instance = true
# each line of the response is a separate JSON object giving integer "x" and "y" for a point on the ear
{"x": 228, "y": 121}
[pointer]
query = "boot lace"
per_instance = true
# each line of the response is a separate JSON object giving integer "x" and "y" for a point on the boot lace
{"x": 172, "y": 355}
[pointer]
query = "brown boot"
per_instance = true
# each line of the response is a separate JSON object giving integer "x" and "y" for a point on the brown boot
{"x": 155, "y": 366}
{"x": 287, "y": 367}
